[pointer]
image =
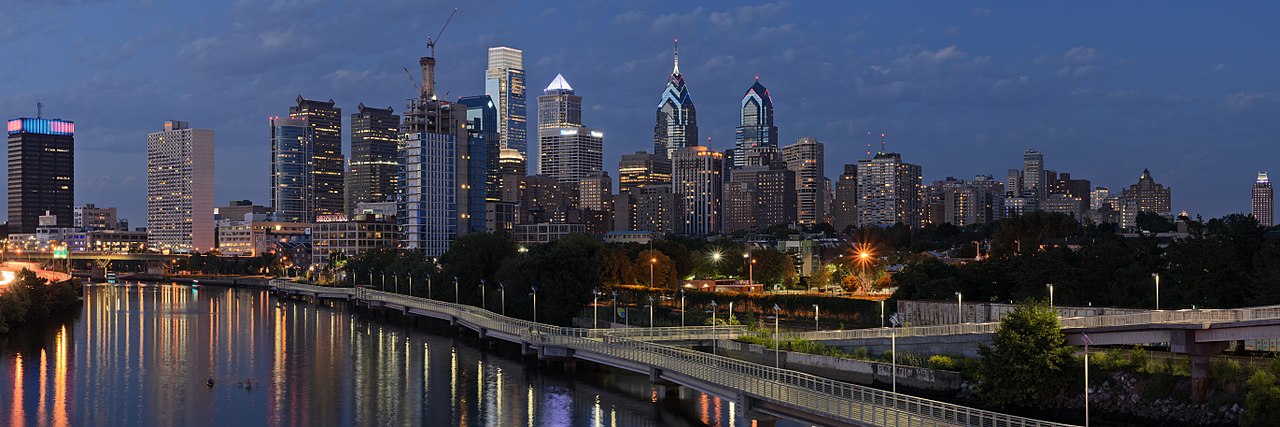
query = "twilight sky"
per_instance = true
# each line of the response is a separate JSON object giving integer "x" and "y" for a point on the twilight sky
{"x": 1104, "y": 89}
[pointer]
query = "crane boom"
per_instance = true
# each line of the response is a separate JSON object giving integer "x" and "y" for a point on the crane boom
{"x": 431, "y": 43}
{"x": 411, "y": 79}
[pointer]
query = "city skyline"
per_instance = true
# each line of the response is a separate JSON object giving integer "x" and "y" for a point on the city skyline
{"x": 916, "y": 73}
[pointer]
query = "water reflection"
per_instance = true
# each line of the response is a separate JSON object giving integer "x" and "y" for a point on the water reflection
{"x": 140, "y": 354}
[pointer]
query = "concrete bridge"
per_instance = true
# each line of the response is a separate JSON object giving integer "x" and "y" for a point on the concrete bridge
{"x": 762, "y": 391}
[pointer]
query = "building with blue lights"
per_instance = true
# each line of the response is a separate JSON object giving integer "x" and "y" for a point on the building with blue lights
{"x": 567, "y": 150}
{"x": 41, "y": 172}
{"x": 677, "y": 122}
{"x": 504, "y": 83}
{"x": 292, "y": 190}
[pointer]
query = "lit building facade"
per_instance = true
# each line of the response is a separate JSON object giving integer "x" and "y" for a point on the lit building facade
{"x": 845, "y": 205}
{"x": 696, "y": 176}
{"x": 755, "y": 130}
{"x": 349, "y": 237}
{"x": 327, "y": 161}
{"x": 889, "y": 192}
{"x": 805, "y": 159}
{"x": 292, "y": 192}
{"x": 41, "y": 172}
{"x": 90, "y": 217}
{"x": 478, "y": 165}
{"x": 1148, "y": 196}
{"x": 677, "y": 119}
{"x": 504, "y": 83}
{"x": 180, "y": 176}
{"x": 371, "y": 174}
{"x": 1263, "y": 200}
{"x": 1033, "y": 174}
{"x": 567, "y": 150}
{"x": 642, "y": 168}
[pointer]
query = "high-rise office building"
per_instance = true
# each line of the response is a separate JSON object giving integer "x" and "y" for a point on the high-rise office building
{"x": 480, "y": 185}
{"x": 756, "y": 131}
{"x": 433, "y": 141}
{"x": 327, "y": 161}
{"x": 1263, "y": 200}
{"x": 1148, "y": 196}
{"x": 1077, "y": 188}
{"x": 180, "y": 189}
{"x": 845, "y": 206}
{"x": 889, "y": 192}
{"x": 1098, "y": 197}
{"x": 642, "y": 168}
{"x": 371, "y": 176}
{"x": 759, "y": 197}
{"x": 697, "y": 177}
{"x": 292, "y": 181}
{"x": 567, "y": 150}
{"x": 805, "y": 158}
{"x": 595, "y": 192}
{"x": 1033, "y": 174}
{"x": 504, "y": 83}
{"x": 677, "y": 123}
{"x": 41, "y": 172}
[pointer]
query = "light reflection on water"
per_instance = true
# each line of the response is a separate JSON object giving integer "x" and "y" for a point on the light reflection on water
{"x": 140, "y": 355}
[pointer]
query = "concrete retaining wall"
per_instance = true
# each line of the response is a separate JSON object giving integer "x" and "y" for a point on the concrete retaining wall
{"x": 962, "y": 345}
{"x": 925, "y": 313}
{"x": 848, "y": 370}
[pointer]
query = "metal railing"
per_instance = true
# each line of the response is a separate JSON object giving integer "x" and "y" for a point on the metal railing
{"x": 804, "y": 392}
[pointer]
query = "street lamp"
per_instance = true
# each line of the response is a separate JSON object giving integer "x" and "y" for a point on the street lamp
{"x": 534, "y": 293}
{"x": 1050, "y": 286}
{"x": 893, "y": 351}
{"x": 410, "y": 282}
{"x": 1157, "y": 276}
{"x": 746, "y": 260}
{"x": 455, "y": 290}
{"x": 396, "y": 280}
{"x": 959, "y": 308}
{"x": 881, "y": 313}
{"x": 681, "y": 308}
{"x": 482, "y": 298}
{"x": 751, "y": 272}
{"x": 615, "y": 307}
{"x": 652, "y": 261}
{"x": 713, "y": 327}
{"x": 651, "y": 311}
{"x": 502, "y": 290}
{"x": 777, "y": 346}
{"x": 383, "y": 275}
{"x": 595, "y": 308}
{"x": 815, "y": 318}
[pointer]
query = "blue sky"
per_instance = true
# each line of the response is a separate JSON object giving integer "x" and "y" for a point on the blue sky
{"x": 1104, "y": 89}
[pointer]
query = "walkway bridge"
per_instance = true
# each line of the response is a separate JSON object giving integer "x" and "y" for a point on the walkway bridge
{"x": 758, "y": 389}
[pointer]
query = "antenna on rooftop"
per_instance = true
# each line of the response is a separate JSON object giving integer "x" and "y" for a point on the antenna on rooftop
{"x": 882, "y": 141}
{"x": 868, "y": 144}
{"x": 39, "y": 110}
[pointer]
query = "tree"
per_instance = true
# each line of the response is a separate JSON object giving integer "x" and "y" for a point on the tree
{"x": 774, "y": 267}
{"x": 1025, "y": 364}
{"x": 616, "y": 266}
{"x": 1152, "y": 222}
{"x": 1262, "y": 403}
{"x": 564, "y": 271}
{"x": 474, "y": 257}
{"x": 664, "y": 270}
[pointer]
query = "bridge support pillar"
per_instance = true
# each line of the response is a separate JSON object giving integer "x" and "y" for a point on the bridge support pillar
{"x": 1199, "y": 377}
{"x": 1185, "y": 343}
{"x": 570, "y": 366}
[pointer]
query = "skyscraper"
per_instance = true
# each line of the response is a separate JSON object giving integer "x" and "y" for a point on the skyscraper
{"x": 1263, "y": 200}
{"x": 41, "y": 172}
{"x": 327, "y": 161}
{"x": 696, "y": 176}
{"x": 889, "y": 192}
{"x": 845, "y": 206}
{"x": 480, "y": 185}
{"x": 758, "y": 197}
{"x": 504, "y": 83}
{"x": 677, "y": 123}
{"x": 433, "y": 139}
{"x": 1033, "y": 182}
{"x": 756, "y": 130}
{"x": 805, "y": 158}
{"x": 1148, "y": 196}
{"x": 180, "y": 188}
{"x": 292, "y": 190}
{"x": 567, "y": 150}
{"x": 372, "y": 175}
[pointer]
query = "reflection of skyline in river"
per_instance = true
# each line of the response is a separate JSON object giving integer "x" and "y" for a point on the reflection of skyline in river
{"x": 139, "y": 355}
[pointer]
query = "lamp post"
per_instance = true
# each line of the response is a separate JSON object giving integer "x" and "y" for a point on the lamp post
{"x": 682, "y": 308}
{"x": 959, "y": 308}
{"x": 893, "y": 351}
{"x": 713, "y": 327}
{"x": 1157, "y": 276}
{"x": 1050, "y": 286}
{"x": 595, "y": 308}
{"x": 482, "y": 298}
{"x": 410, "y": 282}
{"x": 502, "y": 290}
{"x": 815, "y": 318}
{"x": 777, "y": 346}
{"x": 455, "y": 290}
{"x": 652, "y": 261}
{"x": 650, "y": 311}
{"x": 881, "y": 313}
{"x": 370, "y": 277}
{"x": 396, "y": 280}
{"x": 534, "y": 293}
{"x": 615, "y": 307}
{"x": 383, "y": 275}
{"x": 751, "y": 273}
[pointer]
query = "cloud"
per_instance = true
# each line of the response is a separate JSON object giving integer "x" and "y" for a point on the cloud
{"x": 1240, "y": 102}
{"x": 930, "y": 57}
{"x": 980, "y": 11}
{"x": 676, "y": 21}
{"x": 747, "y": 14}
{"x": 1218, "y": 68}
{"x": 1080, "y": 54}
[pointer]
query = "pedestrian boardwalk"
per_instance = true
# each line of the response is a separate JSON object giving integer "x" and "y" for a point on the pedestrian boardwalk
{"x": 758, "y": 388}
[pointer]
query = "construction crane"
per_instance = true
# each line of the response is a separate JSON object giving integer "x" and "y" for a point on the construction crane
{"x": 412, "y": 81}
{"x": 431, "y": 42}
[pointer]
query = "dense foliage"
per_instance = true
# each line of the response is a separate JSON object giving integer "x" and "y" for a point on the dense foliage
{"x": 28, "y": 298}
{"x": 1024, "y": 364}
{"x": 1223, "y": 262}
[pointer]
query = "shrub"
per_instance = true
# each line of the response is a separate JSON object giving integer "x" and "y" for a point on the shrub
{"x": 1023, "y": 366}
{"x": 944, "y": 362}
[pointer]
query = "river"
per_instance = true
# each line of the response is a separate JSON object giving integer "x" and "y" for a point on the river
{"x": 140, "y": 355}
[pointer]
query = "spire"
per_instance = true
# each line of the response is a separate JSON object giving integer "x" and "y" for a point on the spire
{"x": 676, "y": 69}
{"x": 559, "y": 84}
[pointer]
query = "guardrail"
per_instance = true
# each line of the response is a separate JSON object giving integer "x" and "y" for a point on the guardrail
{"x": 804, "y": 392}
